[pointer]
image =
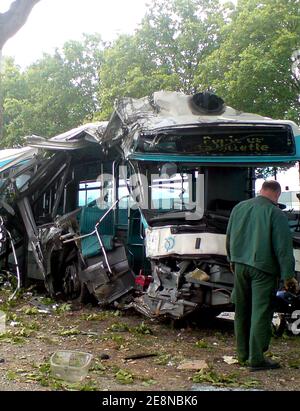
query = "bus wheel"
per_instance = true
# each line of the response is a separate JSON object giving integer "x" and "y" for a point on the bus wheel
{"x": 71, "y": 285}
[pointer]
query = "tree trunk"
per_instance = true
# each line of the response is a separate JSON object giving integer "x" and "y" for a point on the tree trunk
{"x": 13, "y": 19}
{"x": 10, "y": 22}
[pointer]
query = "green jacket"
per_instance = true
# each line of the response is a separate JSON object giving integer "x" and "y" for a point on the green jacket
{"x": 258, "y": 235}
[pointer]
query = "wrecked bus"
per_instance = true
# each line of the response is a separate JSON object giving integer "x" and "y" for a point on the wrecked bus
{"x": 135, "y": 210}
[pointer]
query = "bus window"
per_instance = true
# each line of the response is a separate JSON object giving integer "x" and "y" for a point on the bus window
{"x": 170, "y": 193}
{"x": 89, "y": 191}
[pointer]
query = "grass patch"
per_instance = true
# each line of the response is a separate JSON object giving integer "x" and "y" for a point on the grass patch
{"x": 143, "y": 329}
{"x": 294, "y": 364}
{"x": 94, "y": 316}
{"x": 212, "y": 377}
{"x": 62, "y": 308}
{"x": 16, "y": 337}
{"x": 30, "y": 310}
{"x": 69, "y": 332}
{"x": 168, "y": 359}
{"x": 98, "y": 367}
{"x": 163, "y": 359}
{"x": 42, "y": 375}
{"x": 202, "y": 344}
{"x": 119, "y": 327}
{"x": 124, "y": 377}
{"x": 250, "y": 383}
{"x": 33, "y": 326}
{"x": 149, "y": 382}
{"x": 11, "y": 375}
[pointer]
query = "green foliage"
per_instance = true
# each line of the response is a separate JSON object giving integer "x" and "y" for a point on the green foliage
{"x": 201, "y": 344}
{"x": 62, "y": 308}
{"x": 294, "y": 364}
{"x": 11, "y": 375}
{"x": 53, "y": 95}
{"x": 30, "y": 310}
{"x": 164, "y": 53}
{"x": 143, "y": 329}
{"x": 68, "y": 332}
{"x": 252, "y": 67}
{"x": 243, "y": 52}
{"x": 42, "y": 375}
{"x": 214, "y": 378}
{"x": 124, "y": 377}
{"x": 119, "y": 327}
{"x": 14, "y": 337}
{"x": 101, "y": 316}
{"x": 163, "y": 359}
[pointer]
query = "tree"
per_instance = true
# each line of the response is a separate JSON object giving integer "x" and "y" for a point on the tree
{"x": 127, "y": 70}
{"x": 54, "y": 94}
{"x": 13, "y": 19}
{"x": 10, "y": 22}
{"x": 172, "y": 40}
{"x": 252, "y": 67}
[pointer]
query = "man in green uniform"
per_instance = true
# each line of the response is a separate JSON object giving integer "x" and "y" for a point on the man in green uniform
{"x": 259, "y": 248}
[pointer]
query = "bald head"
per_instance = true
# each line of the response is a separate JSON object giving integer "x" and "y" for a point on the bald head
{"x": 272, "y": 190}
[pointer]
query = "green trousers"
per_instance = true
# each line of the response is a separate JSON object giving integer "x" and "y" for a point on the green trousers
{"x": 253, "y": 296}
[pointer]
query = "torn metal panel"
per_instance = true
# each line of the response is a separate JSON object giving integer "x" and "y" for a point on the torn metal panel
{"x": 74, "y": 139}
{"x": 169, "y": 109}
{"x": 10, "y": 158}
{"x": 166, "y": 113}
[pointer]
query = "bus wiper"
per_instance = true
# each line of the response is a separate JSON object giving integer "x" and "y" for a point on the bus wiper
{"x": 175, "y": 215}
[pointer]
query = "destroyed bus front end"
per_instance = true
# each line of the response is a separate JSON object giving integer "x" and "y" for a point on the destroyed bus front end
{"x": 190, "y": 160}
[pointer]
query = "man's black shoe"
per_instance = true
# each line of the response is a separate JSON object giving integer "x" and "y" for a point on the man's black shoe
{"x": 266, "y": 365}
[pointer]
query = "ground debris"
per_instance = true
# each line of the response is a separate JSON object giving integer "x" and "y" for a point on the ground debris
{"x": 140, "y": 356}
{"x": 28, "y": 345}
{"x": 230, "y": 360}
{"x": 193, "y": 365}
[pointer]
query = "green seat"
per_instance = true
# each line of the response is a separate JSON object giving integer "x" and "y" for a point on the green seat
{"x": 88, "y": 218}
{"x": 91, "y": 247}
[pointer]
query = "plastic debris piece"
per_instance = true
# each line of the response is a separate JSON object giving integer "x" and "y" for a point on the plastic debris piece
{"x": 230, "y": 360}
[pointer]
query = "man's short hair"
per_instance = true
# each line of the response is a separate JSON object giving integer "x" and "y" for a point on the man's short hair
{"x": 271, "y": 185}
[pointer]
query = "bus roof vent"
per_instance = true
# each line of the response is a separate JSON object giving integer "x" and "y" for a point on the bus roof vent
{"x": 207, "y": 103}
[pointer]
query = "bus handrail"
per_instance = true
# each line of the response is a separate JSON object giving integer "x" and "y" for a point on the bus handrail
{"x": 95, "y": 231}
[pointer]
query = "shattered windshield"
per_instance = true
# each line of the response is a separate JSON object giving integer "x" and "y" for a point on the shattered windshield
{"x": 168, "y": 189}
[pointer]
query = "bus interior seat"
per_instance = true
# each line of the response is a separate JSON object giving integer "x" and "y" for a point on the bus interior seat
{"x": 88, "y": 218}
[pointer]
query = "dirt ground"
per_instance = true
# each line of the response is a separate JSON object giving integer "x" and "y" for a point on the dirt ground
{"x": 31, "y": 338}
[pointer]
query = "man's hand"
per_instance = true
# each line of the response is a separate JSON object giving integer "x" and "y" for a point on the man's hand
{"x": 291, "y": 284}
{"x": 232, "y": 267}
